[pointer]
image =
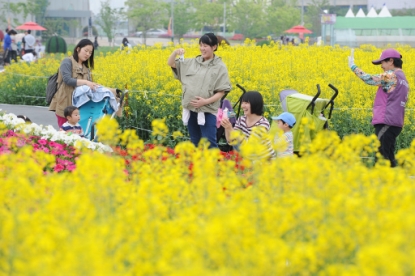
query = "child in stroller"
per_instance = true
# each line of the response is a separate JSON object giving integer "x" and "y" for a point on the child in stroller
{"x": 94, "y": 105}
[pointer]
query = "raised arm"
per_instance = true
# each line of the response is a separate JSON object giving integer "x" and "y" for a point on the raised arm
{"x": 172, "y": 58}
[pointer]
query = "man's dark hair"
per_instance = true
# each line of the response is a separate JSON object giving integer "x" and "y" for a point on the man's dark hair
{"x": 81, "y": 44}
{"x": 69, "y": 110}
{"x": 29, "y": 31}
{"x": 256, "y": 101}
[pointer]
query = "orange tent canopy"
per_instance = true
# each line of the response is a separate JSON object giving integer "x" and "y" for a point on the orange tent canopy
{"x": 299, "y": 30}
{"x": 30, "y": 26}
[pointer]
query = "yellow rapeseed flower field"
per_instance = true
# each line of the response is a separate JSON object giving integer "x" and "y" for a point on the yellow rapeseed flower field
{"x": 194, "y": 213}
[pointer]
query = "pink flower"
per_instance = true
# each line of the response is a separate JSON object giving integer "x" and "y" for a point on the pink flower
{"x": 55, "y": 145}
{"x": 58, "y": 168}
{"x": 42, "y": 142}
{"x": 71, "y": 167}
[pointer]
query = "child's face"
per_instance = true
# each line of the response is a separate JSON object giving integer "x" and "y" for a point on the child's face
{"x": 283, "y": 126}
{"x": 75, "y": 118}
{"x": 246, "y": 107}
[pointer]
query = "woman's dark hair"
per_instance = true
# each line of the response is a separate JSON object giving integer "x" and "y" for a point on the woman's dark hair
{"x": 256, "y": 101}
{"x": 81, "y": 44}
{"x": 209, "y": 39}
{"x": 124, "y": 41}
{"x": 397, "y": 62}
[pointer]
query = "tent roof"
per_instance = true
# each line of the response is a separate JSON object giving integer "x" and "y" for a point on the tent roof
{"x": 372, "y": 13}
{"x": 384, "y": 12}
{"x": 349, "y": 13}
{"x": 360, "y": 13}
{"x": 397, "y": 22}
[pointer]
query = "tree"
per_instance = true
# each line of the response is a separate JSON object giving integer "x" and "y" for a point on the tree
{"x": 147, "y": 14}
{"x": 249, "y": 18}
{"x": 32, "y": 7}
{"x": 313, "y": 15}
{"x": 282, "y": 16}
{"x": 54, "y": 26}
{"x": 108, "y": 18}
{"x": 36, "y": 8}
{"x": 184, "y": 18}
{"x": 209, "y": 14}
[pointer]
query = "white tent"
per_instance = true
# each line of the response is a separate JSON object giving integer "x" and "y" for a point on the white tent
{"x": 372, "y": 13}
{"x": 384, "y": 12}
{"x": 349, "y": 13}
{"x": 360, "y": 13}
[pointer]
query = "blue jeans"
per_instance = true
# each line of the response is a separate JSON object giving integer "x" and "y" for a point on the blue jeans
{"x": 207, "y": 131}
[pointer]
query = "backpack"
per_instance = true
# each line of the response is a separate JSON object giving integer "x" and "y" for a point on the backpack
{"x": 52, "y": 87}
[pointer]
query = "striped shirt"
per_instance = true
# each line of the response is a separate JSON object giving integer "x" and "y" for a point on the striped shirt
{"x": 261, "y": 130}
{"x": 288, "y": 146}
{"x": 75, "y": 129}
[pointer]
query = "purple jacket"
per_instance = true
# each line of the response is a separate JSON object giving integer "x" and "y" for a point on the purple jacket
{"x": 389, "y": 108}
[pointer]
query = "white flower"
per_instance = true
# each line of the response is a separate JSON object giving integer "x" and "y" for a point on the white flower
{"x": 48, "y": 132}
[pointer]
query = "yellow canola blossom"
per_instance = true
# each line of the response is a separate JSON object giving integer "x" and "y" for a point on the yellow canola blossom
{"x": 196, "y": 213}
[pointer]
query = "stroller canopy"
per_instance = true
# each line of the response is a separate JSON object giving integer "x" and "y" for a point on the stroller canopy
{"x": 304, "y": 106}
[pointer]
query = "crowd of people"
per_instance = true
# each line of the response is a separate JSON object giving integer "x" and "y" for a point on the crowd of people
{"x": 27, "y": 47}
{"x": 205, "y": 81}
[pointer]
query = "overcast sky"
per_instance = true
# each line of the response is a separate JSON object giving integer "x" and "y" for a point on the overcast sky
{"x": 95, "y": 5}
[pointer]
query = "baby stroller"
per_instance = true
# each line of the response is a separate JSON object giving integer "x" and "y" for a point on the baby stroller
{"x": 312, "y": 108}
{"x": 220, "y": 134}
{"x": 94, "y": 105}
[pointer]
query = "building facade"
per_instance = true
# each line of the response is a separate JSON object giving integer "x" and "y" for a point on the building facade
{"x": 74, "y": 13}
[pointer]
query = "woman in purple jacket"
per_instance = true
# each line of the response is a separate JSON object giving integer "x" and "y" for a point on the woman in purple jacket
{"x": 390, "y": 100}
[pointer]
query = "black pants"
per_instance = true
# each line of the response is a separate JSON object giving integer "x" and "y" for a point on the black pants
{"x": 13, "y": 55}
{"x": 387, "y": 138}
{"x": 6, "y": 58}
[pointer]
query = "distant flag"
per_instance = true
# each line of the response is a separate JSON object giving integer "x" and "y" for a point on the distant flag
{"x": 169, "y": 32}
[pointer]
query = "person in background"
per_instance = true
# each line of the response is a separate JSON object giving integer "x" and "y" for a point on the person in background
{"x": 29, "y": 57}
{"x": 96, "y": 43}
{"x": 22, "y": 52}
{"x": 13, "y": 52}
{"x": 125, "y": 43}
{"x": 205, "y": 81}
{"x": 25, "y": 118}
{"x": 29, "y": 42}
{"x": 7, "y": 47}
{"x": 390, "y": 99}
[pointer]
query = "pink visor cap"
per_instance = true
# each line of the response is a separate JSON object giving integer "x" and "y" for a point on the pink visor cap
{"x": 388, "y": 53}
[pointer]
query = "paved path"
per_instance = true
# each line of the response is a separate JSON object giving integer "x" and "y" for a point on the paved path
{"x": 37, "y": 114}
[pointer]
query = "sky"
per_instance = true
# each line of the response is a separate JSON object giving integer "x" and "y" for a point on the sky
{"x": 95, "y": 5}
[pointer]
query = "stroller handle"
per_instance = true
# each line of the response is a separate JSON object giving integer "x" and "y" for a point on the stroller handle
{"x": 239, "y": 100}
{"x": 240, "y": 87}
{"x": 121, "y": 95}
{"x": 331, "y": 101}
{"x": 313, "y": 101}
